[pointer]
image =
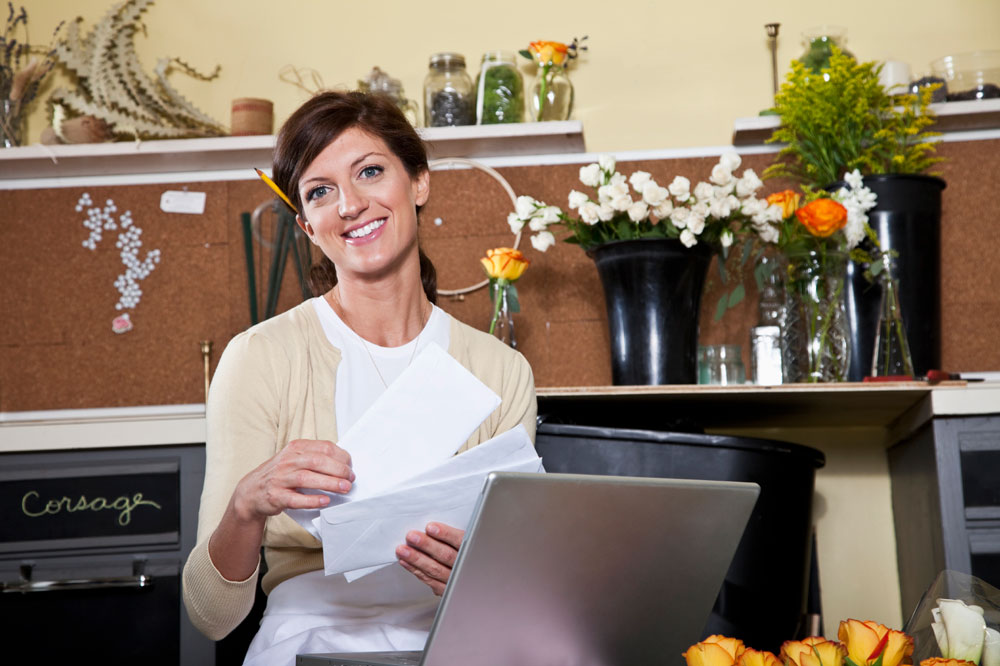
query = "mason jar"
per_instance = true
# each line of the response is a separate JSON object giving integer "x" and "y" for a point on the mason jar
{"x": 499, "y": 90}
{"x": 449, "y": 97}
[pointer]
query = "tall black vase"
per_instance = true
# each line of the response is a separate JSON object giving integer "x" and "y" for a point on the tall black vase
{"x": 907, "y": 219}
{"x": 652, "y": 291}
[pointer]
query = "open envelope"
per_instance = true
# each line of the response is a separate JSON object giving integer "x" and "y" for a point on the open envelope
{"x": 360, "y": 536}
{"x": 424, "y": 416}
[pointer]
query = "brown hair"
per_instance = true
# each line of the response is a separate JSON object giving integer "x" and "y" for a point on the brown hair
{"x": 318, "y": 122}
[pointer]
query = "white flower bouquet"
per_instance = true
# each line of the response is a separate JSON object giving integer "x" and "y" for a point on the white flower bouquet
{"x": 713, "y": 212}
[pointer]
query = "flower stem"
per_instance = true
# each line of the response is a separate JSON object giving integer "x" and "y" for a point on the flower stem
{"x": 497, "y": 300}
{"x": 543, "y": 90}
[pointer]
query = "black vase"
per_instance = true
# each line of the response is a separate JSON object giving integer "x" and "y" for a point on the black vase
{"x": 907, "y": 219}
{"x": 652, "y": 291}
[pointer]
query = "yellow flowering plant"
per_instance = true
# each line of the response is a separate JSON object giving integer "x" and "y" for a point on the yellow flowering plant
{"x": 503, "y": 266}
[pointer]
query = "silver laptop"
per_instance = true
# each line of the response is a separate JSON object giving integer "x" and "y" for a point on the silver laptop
{"x": 581, "y": 570}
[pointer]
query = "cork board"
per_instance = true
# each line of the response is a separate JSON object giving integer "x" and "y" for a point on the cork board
{"x": 57, "y": 349}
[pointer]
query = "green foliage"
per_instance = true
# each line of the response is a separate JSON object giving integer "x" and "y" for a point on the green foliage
{"x": 843, "y": 119}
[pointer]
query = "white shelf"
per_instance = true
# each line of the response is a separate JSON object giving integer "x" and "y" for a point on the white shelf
{"x": 243, "y": 152}
{"x": 973, "y": 115}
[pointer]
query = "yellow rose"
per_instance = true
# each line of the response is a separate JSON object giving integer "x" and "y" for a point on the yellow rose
{"x": 822, "y": 217}
{"x": 812, "y": 651}
{"x": 548, "y": 52}
{"x": 787, "y": 199}
{"x": 865, "y": 641}
{"x": 504, "y": 263}
{"x": 716, "y": 650}
{"x": 751, "y": 657}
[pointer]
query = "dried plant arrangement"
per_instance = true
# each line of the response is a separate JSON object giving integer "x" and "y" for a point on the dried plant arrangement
{"x": 23, "y": 67}
{"x": 112, "y": 86}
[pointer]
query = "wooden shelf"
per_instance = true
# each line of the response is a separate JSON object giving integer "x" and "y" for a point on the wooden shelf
{"x": 966, "y": 116}
{"x": 243, "y": 152}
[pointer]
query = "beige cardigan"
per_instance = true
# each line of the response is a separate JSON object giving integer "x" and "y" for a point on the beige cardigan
{"x": 275, "y": 383}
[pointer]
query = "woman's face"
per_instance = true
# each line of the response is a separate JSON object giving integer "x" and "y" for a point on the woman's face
{"x": 360, "y": 204}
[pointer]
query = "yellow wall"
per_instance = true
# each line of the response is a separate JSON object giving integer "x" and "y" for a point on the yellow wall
{"x": 659, "y": 74}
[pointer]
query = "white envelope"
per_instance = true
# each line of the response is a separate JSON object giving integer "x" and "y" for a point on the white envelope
{"x": 424, "y": 416}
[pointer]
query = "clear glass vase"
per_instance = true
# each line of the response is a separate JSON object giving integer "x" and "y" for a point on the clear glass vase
{"x": 815, "y": 339}
{"x": 502, "y": 321}
{"x": 552, "y": 94}
{"x": 892, "y": 349}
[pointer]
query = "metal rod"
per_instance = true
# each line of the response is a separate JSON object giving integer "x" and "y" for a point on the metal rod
{"x": 772, "y": 43}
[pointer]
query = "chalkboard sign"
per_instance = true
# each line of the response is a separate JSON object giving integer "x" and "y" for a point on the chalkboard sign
{"x": 43, "y": 509}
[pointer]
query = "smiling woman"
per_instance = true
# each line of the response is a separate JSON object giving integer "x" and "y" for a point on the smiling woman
{"x": 356, "y": 171}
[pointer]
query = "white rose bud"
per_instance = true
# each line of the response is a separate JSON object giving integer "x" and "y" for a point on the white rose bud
{"x": 639, "y": 180}
{"x": 607, "y": 163}
{"x": 688, "y": 238}
{"x": 638, "y": 211}
{"x": 748, "y": 184}
{"x": 525, "y": 207}
{"x": 577, "y": 199}
{"x": 696, "y": 223}
{"x": 622, "y": 203}
{"x": 543, "y": 241}
{"x": 721, "y": 175}
{"x": 516, "y": 223}
{"x": 664, "y": 209}
{"x": 590, "y": 175}
{"x": 703, "y": 191}
{"x": 537, "y": 224}
{"x": 679, "y": 217}
{"x": 719, "y": 209}
{"x": 726, "y": 237}
{"x": 550, "y": 214}
{"x": 653, "y": 194}
{"x": 606, "y": 212}
{"x": 680, "y": 188}
{"x": 731, "y": 161}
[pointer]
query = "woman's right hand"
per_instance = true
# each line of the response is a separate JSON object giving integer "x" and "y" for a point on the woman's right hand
{"x": 275, "y": 485}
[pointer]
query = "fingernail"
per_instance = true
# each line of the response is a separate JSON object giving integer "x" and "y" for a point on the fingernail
{"x": 433, "y": 529}
{"x": 345, "y": 485}
{"x": 413, "y": 537}
{"x": 352, "y": 477}
{"x": 403, "y": 552}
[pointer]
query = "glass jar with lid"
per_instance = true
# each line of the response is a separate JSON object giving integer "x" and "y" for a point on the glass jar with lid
{"x": 499, "y": 90}
{"x": 449, "y": 97}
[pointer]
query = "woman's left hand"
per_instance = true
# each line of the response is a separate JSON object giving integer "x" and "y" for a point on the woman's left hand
{"x": 430, "y": 555}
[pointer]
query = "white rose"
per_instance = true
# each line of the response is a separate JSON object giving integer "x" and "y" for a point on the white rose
{"x": 721, "y": 175}
{"x": 748, "y": 184}
{"x": 719, "y": 208}
{"x": 854, "y": 230}
{"x": 703, "y": 191}
{"x": 590, "y": 213}
{"x": 726, "y": 238}
{"x": 854, "y": 179}
{"x": 767, "y": 233}
{"x": 516, "y": 223}
{"x": 607, "y": 163}
{"x": 613, "y": 191}
{"x": 618, "y": 179}
{"x": 696, "y": 223}
{"x": 734, "y": 203}
{"x": 550, "y": 214}
{"x": 537, "y": 224}
{"x": 688, "y": 238}
{"x": 590, "y": 175}
{"x": 639, "y": 180}
{"x": 664, "y": 209}
{"x": 752, "y": 207}
{"x": 606, "y": 212}
{"x": 653, "y": 194}
{"x": 700, "y": 208}
{"x": 543, "y": 241}
{"x": 731, "y": 161}
{"x": 679, "y": 217}
{"x": 723, "y": 191}
{"x": 577, "y": 199}
{"x": 680, "y": 187}
{"x": 525, "y": 207}
{"x": 638, "y": 211}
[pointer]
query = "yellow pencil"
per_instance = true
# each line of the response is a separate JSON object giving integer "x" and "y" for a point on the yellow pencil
{"x": 277, "y": 190}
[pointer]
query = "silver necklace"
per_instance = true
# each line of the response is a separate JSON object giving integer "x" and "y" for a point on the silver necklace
{"x": 364, "y": 343}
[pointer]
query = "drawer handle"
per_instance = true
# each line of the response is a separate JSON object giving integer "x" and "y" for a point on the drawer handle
{"x": 141, "y": 581}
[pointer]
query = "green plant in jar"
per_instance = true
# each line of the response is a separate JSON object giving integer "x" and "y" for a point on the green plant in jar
{"x": 843, "y": 119}
{"x": 500, "y": 90}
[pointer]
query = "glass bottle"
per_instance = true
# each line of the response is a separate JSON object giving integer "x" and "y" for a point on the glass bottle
{"x": 552, "y": 94}
{"x": 449, "y": 98}
{"x": 765, "y": 337}
{"x": 499, "y": 90}
{"x": 892, "y": 349}
{"x": 819, "y": 42}
{"x": 502, "y": 323}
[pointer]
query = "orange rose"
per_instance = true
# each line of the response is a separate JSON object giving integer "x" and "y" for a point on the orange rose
{"x": 812, "y": 651}
{"x": 752, "y": 657}
{"x": 548, "y": 52}
{"x": 822, "y": 217}
{"x": 504, "y": 263}
{"x": 941, "y": 661}
{"x": 716, "y": 650}
{"x": 788, "y": 200}
{"x": 865, "y": 641}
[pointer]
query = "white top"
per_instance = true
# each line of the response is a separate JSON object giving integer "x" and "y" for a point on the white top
{"x": 386, "y": 610}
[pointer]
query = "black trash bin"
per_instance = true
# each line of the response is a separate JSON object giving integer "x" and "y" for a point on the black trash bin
{"x": 763, "y": 598}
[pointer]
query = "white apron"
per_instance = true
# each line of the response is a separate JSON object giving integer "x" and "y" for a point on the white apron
{"x": 386, "y": 610}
